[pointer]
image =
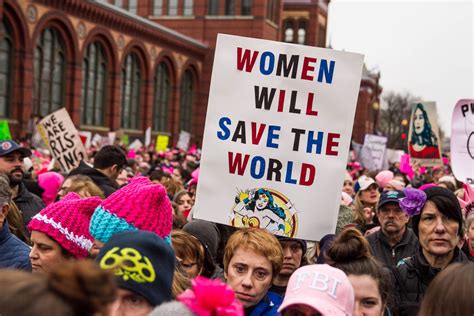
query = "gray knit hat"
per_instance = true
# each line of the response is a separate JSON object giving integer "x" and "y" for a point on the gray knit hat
{"x": 173, "y": 308}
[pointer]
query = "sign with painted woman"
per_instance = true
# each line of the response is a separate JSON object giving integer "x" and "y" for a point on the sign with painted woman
{"x": 424, "y": 143}
{"x": 277, "y": 135}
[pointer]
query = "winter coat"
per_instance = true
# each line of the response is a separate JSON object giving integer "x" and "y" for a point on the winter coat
{"x": 101, "y": 180}
{"x": 13, "y": 252}
{"x": 389, "y": 255}
{"x": 412, "y": 277}
{"x": 28, "y": 203}
{"x": 268, "y": 306}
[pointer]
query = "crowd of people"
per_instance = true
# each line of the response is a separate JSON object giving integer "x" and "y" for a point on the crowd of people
{"x": 117, "y": 236}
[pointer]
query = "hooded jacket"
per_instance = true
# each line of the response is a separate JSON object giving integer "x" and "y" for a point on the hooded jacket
{"x": 13, "y": 252}
{"x": 101, "y": 180}
{"x": 28, "y": 203}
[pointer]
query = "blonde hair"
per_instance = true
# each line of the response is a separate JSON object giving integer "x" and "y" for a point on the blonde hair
{"x": 81, "y": 183}
{"x": 258, "y": 240}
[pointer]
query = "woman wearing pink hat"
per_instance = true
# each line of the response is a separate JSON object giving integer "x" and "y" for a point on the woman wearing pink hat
{"x": 60, "y": 232}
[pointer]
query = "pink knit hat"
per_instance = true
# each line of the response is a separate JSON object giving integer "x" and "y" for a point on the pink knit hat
{"x": 322, "y": 287}
{"x": 383, "y": 177}
{"x": 140, "y": 205}
{"x": 67, "y": 223}
{"x": 50, "y": 182}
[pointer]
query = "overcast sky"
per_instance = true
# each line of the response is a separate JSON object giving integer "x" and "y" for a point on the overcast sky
{"x": 422, "y": 47}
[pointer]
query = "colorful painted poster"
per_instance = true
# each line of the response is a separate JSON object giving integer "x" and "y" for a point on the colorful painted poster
{"x": 462, "y": 141}
{"x": 277, "y": 135}
{"x": 62, "y": 138}
{"x": 424, "y": 143}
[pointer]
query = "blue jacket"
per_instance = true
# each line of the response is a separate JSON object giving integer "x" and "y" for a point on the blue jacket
{"x": 268, "y": 306}
{"x": 13, "y": 252}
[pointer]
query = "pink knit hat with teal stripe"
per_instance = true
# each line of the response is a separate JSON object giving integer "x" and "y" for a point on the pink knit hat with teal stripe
{"x": 67, "y": 223}
{"x": 140, "y": 205}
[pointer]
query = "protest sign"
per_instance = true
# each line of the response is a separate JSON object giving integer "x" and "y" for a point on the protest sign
{"x": 124, "y": 139}
{"x": 61, "y": 136}
{"x": 111, "y": 136}
{"x": 183, "y": 141}
{"x": 376, "y": 146}
{"x": 86, "y": 138}
{"x": 5, "y": 130}
{"x": 424, "y": 144}
{"x": 135, "y": 145}
{"x": 148, "y": 137}
{"x": 162, "y": 142}
{"x": 394, "y": 155}
{"x": 462, "y": 141}
{"x": 277, "y": 134}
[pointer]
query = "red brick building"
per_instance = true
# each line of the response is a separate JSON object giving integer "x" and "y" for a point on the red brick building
{"x": 128, "y": 64}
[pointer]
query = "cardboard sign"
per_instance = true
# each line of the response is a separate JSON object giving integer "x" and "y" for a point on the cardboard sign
{"x": 424, "y": 144}
{"x": 148, "y": 137}
{"x": 462, "y": 141}
{"x": 61, "y": 136}
{"x": 135, "y": 145}
{"x": 276, "y": 139}
{"x": 5, "y": 130}
{"x": 183, "y": 141}
{"x": 162, "y": 142}
{"x": 375, "y": 151}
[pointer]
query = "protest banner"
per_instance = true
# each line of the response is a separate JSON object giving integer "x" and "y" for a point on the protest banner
{"x": 162, "y": 142}
{"x": 462, "y": 141}
{"x": 62, "y": 138}
{"x": 277, "y": 134}
{"x": 183, "y": 141}
{"x": 376, "y": 146}
{"x": 86, "y": 138}
{"x": 424, "y": 144}
{"x": 5, "y": 130}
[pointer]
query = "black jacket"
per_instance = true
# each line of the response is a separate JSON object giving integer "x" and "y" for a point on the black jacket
{"x": 28, "y": 203}
{"x": 413, "y": 276}
{"x": 13, "y": 252}
{"x": 101, "y": 180}
{"x": 388, "y": 255}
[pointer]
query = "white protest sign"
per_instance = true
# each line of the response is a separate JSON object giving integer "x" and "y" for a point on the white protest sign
{"x": 424, "y": 143}
{"x": 148, "y": 137}
{"x": 277, "y": 135}
{"x": 86, "y": 138}
{"x": 62, "y": 138}
{"x": 135, "y": 145}
{"x": 183, "y": 141}
{"x": 462, "y": 141}
{"x": 394, "y": 155}
{"x": 111, "y": 136}
{"x": 96, "y": 140}
{"x": 376, "y": 145}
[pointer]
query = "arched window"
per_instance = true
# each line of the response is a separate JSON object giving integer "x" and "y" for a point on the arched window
{"x": 172, "y": 7}
{"x": 229, "y": 7}
{"x": 302, "y": 32}
{"x": 187, "y": 97}
{"x": 246, "y": 8}
{"x": 6, "y": 62}
{"x": 50, "y": 73}
{"x": 289, "y": 32}
{"x": 213, "y": 7}
{"x": 131, "y": 84}
{"x": 158, "y": 7}
{"x": 188, "y": 8}
{"x": 162, "y": 97}
{"x": 94, "y": 83}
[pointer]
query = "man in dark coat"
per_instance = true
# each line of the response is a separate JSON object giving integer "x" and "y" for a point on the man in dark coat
{"x": 108, "y": 163}
{"x": 11, "y": 163}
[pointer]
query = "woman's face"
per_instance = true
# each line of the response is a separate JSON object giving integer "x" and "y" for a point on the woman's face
{"x": 368, "y": 301}
{"x": 190, "y": 266}
{"x": 348, "y": 187}
{"x": 470, "y": 234}
{"x": 185, "y": 202}
{"x": 418, "y": 121}
{"x": 438, "y": 234}
{"x": 261, "y": 202}
{"x": 371, "y": 195}
{"x": 64, "y": 188}
{"x": 45, "y": 254}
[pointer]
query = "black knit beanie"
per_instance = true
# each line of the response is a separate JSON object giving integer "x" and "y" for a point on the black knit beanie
{"x": 451, "y": 209}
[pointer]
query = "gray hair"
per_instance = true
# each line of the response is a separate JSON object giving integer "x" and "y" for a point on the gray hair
{"x": 5, "y": 191}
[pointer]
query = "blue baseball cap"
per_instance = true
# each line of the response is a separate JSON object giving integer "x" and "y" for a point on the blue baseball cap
{"x": 391, "y": 196}
{"x": 9, "y": 146}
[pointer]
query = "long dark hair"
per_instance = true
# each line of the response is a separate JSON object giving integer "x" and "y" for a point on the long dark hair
{"x": 427, "y": 137}
{"x": 271, "y": 204}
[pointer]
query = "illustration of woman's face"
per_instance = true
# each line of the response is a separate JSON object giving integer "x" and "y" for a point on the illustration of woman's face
{"x": 262, "y": 201}
{"x": 418, "y": 121}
